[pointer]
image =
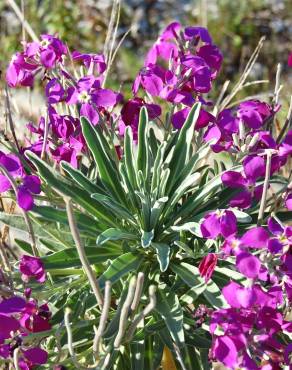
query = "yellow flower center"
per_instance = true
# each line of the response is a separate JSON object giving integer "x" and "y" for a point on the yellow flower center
{"x": 84, "y": 97}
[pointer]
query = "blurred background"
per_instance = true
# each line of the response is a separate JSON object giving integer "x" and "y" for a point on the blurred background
{"x": 236, "y": 27}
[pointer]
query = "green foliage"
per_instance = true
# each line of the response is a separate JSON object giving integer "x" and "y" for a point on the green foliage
{"x": 139, "y": 215}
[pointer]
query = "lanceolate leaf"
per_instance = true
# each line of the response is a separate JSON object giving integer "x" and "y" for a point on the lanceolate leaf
{"x": 81, "y": 179}
{"x": 108, "y": 174}
{"x": 119, "y": 210}
{"x": 181, "y": 152}
{"x": 41, "y": 229}
{"x": 163, "y": 252}
{"x": 169, "y": 308}
{"x": 114, "y": 234}
{"x": 84, "y": 222}
{"x": 146, "y": 238}
{"x": 80, "y": 196}
{"x": 143, "y": 147}
{"x": 120, "y": 267}
{"x": 129, "y": 159}
{"x": 190, "y": 275}
{"x": 69, "y": 257}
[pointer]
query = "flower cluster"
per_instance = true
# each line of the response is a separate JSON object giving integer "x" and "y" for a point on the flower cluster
{"x": 246, "y": 334}
{"x": 22, "y": 315}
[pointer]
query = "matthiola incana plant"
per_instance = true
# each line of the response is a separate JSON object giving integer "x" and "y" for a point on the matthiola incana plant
{"x": 158, "y": 225}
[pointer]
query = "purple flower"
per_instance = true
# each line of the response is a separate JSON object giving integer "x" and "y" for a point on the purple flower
{"x": 93, "y": 62}
{"x": 254, "y": 113}
{"x": 221, "y": 130}
{"x": 164, "y": 48}
{"x": 28, "y": 184}
{"x": 257, "y": 238}
{"x": 68, "y": 152}
{"x": 288, "y": 202}
{"x": 179, "y": 118}
{"x": 54, "y": 91}
{"x": 12, "y": 305}
{"x": 212, "y": 56}
{"x": 199, "y": 33}
{"x": 35, "y": 356}
{"x": 285, "y": 148}
{"x": 219, "y": 223}
{"x": 253, "y": 168}
{"x": 7, "y": 325}
{"x": 248, "y": 265}
{"x": 32, "y": 267}
{"x": 238, "y": 296}
{"x": 35, "y": 318}
{"x": 20, "y": 73}
{"x": 200, "y": 73}
{"x": 36, "y": 55}
{"x": 282, "y": 236}
{"x": 288, "y": 349}
{"x": 131, "y": 110}
{"x": 151, "y": 78}
{"x": 225, "y": 351}
{"x": 91, "y": 96}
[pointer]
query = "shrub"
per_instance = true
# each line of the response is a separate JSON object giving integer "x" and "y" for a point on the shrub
{"x": 158, "y": 225}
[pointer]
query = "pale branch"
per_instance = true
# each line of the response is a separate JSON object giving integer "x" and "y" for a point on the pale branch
{"x": 103, "y": 319}
{"x": 81, "y": 252}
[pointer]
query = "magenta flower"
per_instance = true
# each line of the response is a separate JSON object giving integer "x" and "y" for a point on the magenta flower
{"x": 225, "y": 351}
{"x": 93, "y": 62}
{"x": 253, "y": 169}
{"x": 254, "y": 113}
{"x": 179, "y": 118}
{"x": 32, "y": 267}
{"x": 54, "y": 91}
{"x": 212, "y": 56}
{"x": 288, "y": 202}
{"x": 199, "y": 34}
{"x": 12, "y": 305}
{"x": 36, "y": 55}
{"x": 35, "y": 356}
{"x": 164, "y": 48}
{"x": 257, "y": 238}
{"x": 51, "y": 50}
{"x": 7, "y": 325}
{"x": 19, "y": 72}
{"x": 248, "y": 265}
{"x": 28, "y": 185}
{"x": 285, "y": 148}
{"x": 237, "y": 296}
{"x": 35, "y": 318}
{"x": 207, "y": 266}
{"x": 191, "y": 67}
{"x": 130, "y": 114}
{"x": 282, "y": 236}
{"x": 89, "y": 94}
{"x": 221, "y": 130}
{"x": 152, "y": 80}
{"x": 219, "y": 223}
